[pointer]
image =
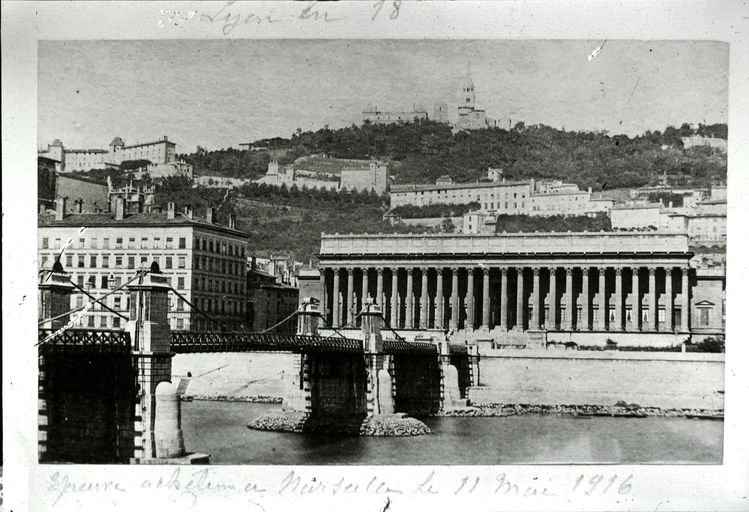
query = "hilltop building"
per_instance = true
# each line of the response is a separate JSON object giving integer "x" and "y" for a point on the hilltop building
{"x": 359, "y": 175}
{"x": 711, "y": 142}
{"x": 204, "y": 260}
{"x": 376, "y": 116}
{"x": 469, "y": 117}
{"x": 162, "y": 151}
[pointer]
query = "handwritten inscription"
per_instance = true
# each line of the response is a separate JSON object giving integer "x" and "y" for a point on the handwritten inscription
{"x": 208, "y": 481}
{"x": 229, "y": 18}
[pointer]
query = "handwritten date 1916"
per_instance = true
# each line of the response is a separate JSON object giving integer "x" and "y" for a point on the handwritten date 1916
{"x": 601, "y": 485}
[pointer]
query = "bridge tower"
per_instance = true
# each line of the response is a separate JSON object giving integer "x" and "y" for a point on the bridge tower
{"x": 297, "y": 396}
{"x": 55, "y": 298}
{"x": 379, "y": 382}
{"x": 149, "y": 330}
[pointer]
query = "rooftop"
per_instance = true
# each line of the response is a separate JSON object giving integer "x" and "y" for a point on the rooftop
{"x": 414, "y": 187}
{"x": 132, "y": 219}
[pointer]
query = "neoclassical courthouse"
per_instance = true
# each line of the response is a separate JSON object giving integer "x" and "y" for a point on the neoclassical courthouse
{"x": 585, "y": 287}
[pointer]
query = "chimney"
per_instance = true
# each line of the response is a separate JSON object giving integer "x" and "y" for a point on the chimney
{"x": 253, "y": 265}
{"x": 79, "y": 206}
{"x": 170, "y": 210}
{"x": 187, "y": 211}
{"x": 670, "y": 204}
{"x": 232, "y": 221}
{"x": 60, "y": 205}
{"x": 119, "y": 208}
{"x": 209, "y": 215}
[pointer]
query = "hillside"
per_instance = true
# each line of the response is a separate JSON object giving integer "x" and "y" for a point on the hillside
{"x": 422, "y": 151}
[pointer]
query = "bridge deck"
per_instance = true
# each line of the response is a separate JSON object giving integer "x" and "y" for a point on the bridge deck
{"x": 185, "y": 342}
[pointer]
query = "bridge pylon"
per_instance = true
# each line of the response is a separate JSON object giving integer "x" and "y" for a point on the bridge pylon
{"x": 55, "y": 289}
{"x": 151, "y": 335}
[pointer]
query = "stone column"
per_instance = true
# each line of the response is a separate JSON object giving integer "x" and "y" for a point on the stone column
{"x": 635, "y": 298}
{"x": 537, "y": 298}
{"x": 454, "y": 300}
{"x": 409, "y": 298}
{"x": 520, "y": 300}
{"x": 584, "y": 323}
{"x": 439, "y": 317}
{"x": 55, "y": 295}
{"x": 394, "y": 298}
{"x": 323, "y": 293}
{"x": 618, "y": 301}
{"x": 503, "y": 306}
{"x": 485, "y": 301}
{"x": 652, "y": 301}
{"x": 685, "y": 305}
{"x": 669, "y": 300}
{"x": 469, "y": 300}
{"x": 350, "y": 295}
{"x": 424, "y": 305}
{"x": 364, "y": 286}
{"x": 552, "y": 298}
{"x": 336, "y": 286}
{"x": 602, "y": 313}
{"x": 570, "y": 306}
{"x": 380, "y": 292}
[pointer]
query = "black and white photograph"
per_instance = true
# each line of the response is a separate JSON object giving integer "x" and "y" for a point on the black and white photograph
{"x": 377, "y": 252}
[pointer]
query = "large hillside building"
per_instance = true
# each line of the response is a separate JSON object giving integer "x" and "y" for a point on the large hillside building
{"x": 497, "y": 196}
{"x": 203, "y": 260}
{"x": 162, "y": 151}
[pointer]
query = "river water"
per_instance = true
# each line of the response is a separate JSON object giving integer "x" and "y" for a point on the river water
{"x": 219, "y": 429}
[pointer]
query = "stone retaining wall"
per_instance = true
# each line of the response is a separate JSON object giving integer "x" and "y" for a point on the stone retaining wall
{"x": 664, "y": 380}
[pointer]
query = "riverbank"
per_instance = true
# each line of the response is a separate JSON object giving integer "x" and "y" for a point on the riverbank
{"x": 390, "y": 425}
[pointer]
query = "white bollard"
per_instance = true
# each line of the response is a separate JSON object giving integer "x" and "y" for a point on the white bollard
{"x": 168, "y": 423}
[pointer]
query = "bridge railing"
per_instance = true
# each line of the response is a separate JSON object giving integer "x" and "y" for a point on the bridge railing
{"x": 85, "y": 340}
{"x": 195, "y": 341}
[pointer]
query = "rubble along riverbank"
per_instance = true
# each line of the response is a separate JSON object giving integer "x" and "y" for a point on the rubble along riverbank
{"x": 391, "y": 425}
{"x": 619, "y": 410}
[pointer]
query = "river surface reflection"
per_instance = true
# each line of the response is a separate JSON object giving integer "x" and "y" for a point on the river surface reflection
{"x": 219, "y": 429}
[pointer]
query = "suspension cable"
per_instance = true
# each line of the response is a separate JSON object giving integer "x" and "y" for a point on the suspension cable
{"x": 99, "y": 301}
{"x": 279, "y": 323}
{"x": 209, "y": 317}
{"x": 138, "y": 274}
{"x": 387, "y": 324}
{"x": 339, "y": 333}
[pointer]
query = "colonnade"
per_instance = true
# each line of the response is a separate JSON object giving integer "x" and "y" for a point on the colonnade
{"x": 518, "y": 298}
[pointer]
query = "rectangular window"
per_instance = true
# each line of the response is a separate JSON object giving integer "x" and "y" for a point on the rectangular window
{"x": 81, "y": 262}
{"x": 44, "y": 261}
{"x": 131, "y": 243}
{"x": 118, "y": 261}
{"x": 157, "y": 242}
{"x": 117, "y": 303}
{"x": 80, "y": 280}
{"x": 143, "y": 260}
{"x": 131, "y": 262}
{"x": 182, "y": 243}
{"x": 118, "y": 243}
{"x": 144, "y": 242}
{"x": 180, "y": 323}
{"x": 169, "y": 242}
{"x": 45, "y": 243}
{"x": 103, "y": 321}
{"x": 94, "y": 243}
{"x": 180, "y": 283}
{"x": 93, "y": 261}
{"x": 197, "y": 263}
{"x": 116, "y": 322}
{"x": 79, "y": 301}
{"x": 69, "y": 260}
{"x": 117, "y": 281}
{"x": 105, "y": 243}
{"x": 91, "y": 319}
{"x": 81, "y": 242}
{"x": 105, "y": 261}
{"x": 180, "y": 305}
{"x": 704, "y": 317}
{"x": 105, "y": 282}
{"x": 57, "y": 244}
{"x": 181, "y": 262}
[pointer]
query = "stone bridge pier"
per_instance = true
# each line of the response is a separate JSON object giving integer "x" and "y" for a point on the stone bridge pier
{"x": 149, "y": 329}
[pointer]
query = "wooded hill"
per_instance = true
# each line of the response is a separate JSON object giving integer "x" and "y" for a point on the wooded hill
{"x": 424, "y": 150}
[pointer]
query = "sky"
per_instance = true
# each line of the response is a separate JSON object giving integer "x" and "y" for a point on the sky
{"x": 221, "y": 93}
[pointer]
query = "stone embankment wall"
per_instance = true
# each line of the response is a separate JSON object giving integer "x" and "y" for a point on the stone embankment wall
{"x": 649, "y": 379}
